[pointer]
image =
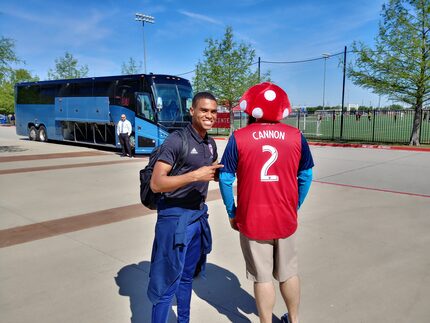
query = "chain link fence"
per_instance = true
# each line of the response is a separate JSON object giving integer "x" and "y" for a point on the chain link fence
{"x": 375, "y": 126}
{"x": 381, "y": 126}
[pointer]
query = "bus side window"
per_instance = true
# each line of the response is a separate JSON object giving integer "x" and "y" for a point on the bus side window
{"x": 144, "y": 106}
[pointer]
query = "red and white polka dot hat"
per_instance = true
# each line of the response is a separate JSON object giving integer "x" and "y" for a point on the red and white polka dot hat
{"x": 266, "y": 101}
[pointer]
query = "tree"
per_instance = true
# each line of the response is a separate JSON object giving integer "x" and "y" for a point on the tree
{"x": 67, "y": 68}
{"x": 399, "y": 66}
{"x": 7, "y": 88}
{"x": 6, "y": 97}
{"x": 131, "y": 67}
{"x": 226, "y": 70}
{"x": 395, "y": 107}
{"x": 8, "y": 75}
{"x": 7, "y": 57}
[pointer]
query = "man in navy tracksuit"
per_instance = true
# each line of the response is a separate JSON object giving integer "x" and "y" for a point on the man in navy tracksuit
{"x": 182, "y": 233}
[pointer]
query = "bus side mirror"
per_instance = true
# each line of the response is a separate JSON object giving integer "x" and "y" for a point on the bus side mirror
{"x": 159, "y": 103}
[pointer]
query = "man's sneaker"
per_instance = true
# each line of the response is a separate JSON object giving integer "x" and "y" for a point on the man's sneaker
{"x": 284, "y": 318}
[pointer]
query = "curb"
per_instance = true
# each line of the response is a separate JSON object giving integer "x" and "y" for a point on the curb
{"x": 387, "y": 147}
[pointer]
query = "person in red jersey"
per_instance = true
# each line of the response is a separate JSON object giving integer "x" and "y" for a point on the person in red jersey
{"x": 273, "y": 165}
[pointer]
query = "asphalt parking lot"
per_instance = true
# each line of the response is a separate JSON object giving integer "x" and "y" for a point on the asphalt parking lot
{"x": 75, "y": 242}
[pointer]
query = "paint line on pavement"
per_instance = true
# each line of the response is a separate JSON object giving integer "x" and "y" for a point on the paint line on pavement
{"x": 46, "y": 229}
{"x": 56, "y": 167}
{"x": 388, "y": 147}
{"x": 7, "y": 159}
{"x": 373, "y": 189}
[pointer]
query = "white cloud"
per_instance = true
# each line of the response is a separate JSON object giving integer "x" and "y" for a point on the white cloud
{"x": 245, "y": 38}
{"x": 73, "y": 30}
{"x": 92, "y": 23}
{"x": 201, "y": 17}
{"x": 26, "y": 16}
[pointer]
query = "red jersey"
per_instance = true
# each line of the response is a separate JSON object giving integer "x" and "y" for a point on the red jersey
{"x": 267, "y": 165}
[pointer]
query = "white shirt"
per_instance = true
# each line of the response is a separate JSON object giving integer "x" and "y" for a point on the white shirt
{"x": 124, "y": 127}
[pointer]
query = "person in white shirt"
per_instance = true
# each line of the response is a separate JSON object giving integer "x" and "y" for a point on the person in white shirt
{"x": 123, "y": 129}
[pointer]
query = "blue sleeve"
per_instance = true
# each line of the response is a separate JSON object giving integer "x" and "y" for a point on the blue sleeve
{"x": 230, "y": 157}
{"x": 226, "y": 181}
{"x": 306, "y": 160}
{"x": 227, "y": 176}
{"x": 304, "y": 180}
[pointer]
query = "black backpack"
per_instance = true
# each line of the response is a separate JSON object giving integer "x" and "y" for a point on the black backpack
{"x": 147, "y": 196}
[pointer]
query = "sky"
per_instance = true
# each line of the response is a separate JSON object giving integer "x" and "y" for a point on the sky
{"x": 104, "y": 34}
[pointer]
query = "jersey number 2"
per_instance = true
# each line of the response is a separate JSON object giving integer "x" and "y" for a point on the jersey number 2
{"x": 263, "y": 174}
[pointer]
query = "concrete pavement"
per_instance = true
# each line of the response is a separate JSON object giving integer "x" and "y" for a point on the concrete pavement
{"x": 363, "y": 239}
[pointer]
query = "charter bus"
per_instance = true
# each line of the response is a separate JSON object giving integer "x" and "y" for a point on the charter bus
{"x": 87, "y": 110}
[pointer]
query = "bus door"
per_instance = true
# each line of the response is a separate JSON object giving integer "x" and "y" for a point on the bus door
{"x": 146, "y": 132}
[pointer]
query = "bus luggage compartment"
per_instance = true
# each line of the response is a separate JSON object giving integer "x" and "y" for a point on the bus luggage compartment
{"x": 82, "y": 109}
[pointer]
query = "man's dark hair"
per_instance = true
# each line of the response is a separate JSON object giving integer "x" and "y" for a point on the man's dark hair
{"x": 203, "y": 95}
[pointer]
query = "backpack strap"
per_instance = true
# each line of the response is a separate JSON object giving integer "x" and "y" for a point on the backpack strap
{"x": 183, "y": 155}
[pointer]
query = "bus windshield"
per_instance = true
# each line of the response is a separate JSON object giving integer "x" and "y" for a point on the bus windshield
{"x": 176, "y": 102}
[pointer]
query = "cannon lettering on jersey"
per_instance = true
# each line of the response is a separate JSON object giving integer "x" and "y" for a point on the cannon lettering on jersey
{"x": 268, "y": 134}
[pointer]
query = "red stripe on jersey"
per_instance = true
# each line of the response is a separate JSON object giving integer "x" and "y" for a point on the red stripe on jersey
{"x": 268, "y": 162}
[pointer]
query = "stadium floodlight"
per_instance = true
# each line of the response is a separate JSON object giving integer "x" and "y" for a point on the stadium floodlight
{"x": 325, "y": 56}
{"x": 144, "y": 18}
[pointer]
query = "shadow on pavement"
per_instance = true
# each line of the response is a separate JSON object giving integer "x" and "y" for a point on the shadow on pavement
{"x": 132, "y": 281}
{"x": 220, "y": 289}
{"x": 11, "y": 149}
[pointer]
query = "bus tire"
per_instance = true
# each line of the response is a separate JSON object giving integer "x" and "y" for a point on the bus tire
{"x": 41, "y": 134}
{"x": 32, "y": 133}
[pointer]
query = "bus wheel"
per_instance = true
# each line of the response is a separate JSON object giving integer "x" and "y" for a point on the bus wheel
{"x": 32, "y": 133}
{"x": 41, "y": 134}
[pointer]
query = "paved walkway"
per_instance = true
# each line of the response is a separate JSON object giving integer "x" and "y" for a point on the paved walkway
{"x": 75, "y": 243}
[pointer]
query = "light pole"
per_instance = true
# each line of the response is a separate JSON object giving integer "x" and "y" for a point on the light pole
{"x": 325, "y": 56}
{"x": 144, "y": 18}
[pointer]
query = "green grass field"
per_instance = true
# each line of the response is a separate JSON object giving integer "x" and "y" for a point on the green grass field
{"x": 380, "y": 128}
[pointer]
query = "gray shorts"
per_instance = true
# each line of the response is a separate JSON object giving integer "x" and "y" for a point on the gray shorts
{"x": 270, "y": 258}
